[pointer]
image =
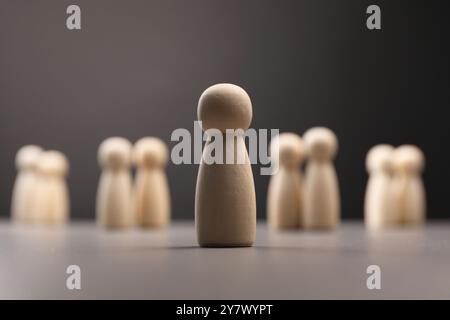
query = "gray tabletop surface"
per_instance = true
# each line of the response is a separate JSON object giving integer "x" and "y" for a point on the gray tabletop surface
{"x": 138, "y": 264}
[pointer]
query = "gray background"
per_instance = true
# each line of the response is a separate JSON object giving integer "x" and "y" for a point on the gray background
{"x": 137, "y": 68}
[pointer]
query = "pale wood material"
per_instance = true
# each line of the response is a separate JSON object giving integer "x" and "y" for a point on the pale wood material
{"x": 25, "y": 184}
{"x": 379, "y": 206}
{"x": 51, "y": 201}
{"x": 225, "y": 200}
{"x": 322, "y": 199}
{"x": 285, "y": 193}
{"x": 151, "y": 191}
{"x": 114, "y": 200}
{"x": 409, "y": 191}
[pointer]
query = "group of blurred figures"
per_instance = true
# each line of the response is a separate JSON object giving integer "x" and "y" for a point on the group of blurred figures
{"x": 395, "y": 193}
{"x": 40, "y": 194}
{"x": 313, "y": 203}
{"x": 122, "y": 204}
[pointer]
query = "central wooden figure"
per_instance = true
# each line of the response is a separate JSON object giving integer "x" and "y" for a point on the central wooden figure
{"x": 225, "y": 200}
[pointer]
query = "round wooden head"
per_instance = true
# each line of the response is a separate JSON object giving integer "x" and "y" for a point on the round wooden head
{"x": 53, "y": 163}
{"x": 225, "y": 106}
{"x": 150, "y": 152}
{"x": 289, "y": 148}
{"x": 115, "y": 153}
{"x": 27, "y": 156}
{"x": 409, "y": 158}
{"x": 321, "y": 143}
{"x": 379, "y": 157}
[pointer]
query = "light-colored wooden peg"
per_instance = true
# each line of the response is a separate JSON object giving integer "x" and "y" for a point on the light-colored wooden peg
{"x": 114, "y": 207}
{"x": 25, "y": 184}
{"x": 51, "y": 201}
{"x": 379, "y": 209}
{"x": 322, "y": 199}
{"x": 151, "y": 190}
{"x": 285, "y": 193}
{"x": 225, "y": 200}
{"x": 409, "y": 190}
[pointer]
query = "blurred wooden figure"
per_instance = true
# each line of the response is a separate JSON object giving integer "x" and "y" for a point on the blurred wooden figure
{"x": 322, "y": 199}
{"x": 409, "y": 191}
{"x": 151, "y": 191}
{"x": 51, "y": 201}
{"x": 379, "y": 209}
{"x": 114, "y": 207}
{"x": 285, "y": 193}
{"x": 25, "y": 184}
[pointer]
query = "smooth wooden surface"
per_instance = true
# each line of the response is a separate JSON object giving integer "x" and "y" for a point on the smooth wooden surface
{"x": 168, "y": 264}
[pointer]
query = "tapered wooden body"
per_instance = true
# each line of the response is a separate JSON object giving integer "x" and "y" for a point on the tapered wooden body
{"x": 51, "y": 200}
{"x": 225, "y": 202}
{"x": 379, "y": 206}
{"x": 23, "y": 195}
{"x": 114, "y": 208}
{"x": 152, "y": 199}
{"x": 322, "y": 204}
{"x": 285, "y": 199}
{"x": 410, "y": 199}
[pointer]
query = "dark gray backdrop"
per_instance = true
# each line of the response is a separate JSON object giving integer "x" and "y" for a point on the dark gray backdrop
{"x": 137, "y": 68}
